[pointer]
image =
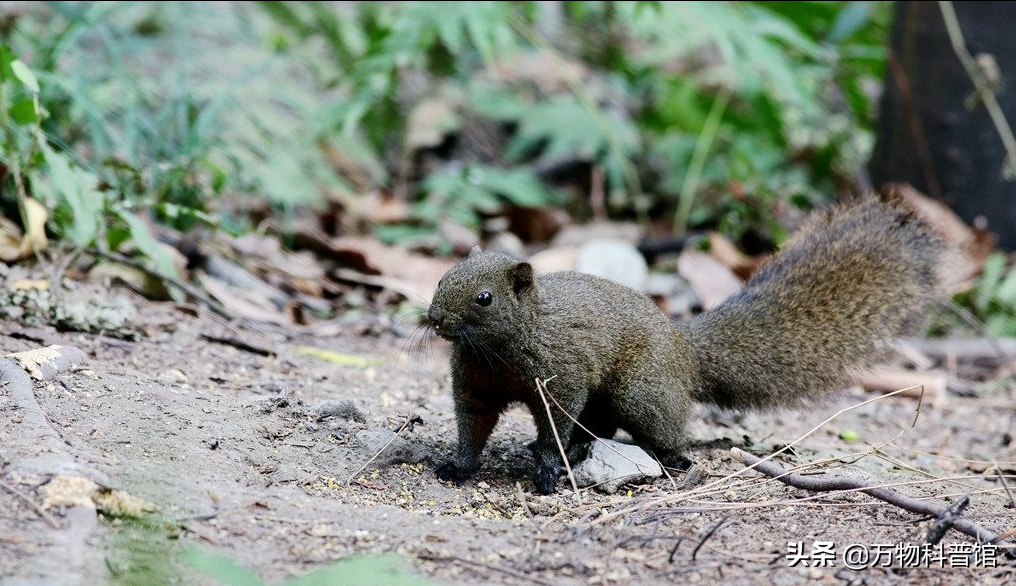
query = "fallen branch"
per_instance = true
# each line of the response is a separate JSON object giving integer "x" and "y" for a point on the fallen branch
{"x": 835, "y": 483}
{"x": 46, "y": 363}
{"x": 715, "y": 485}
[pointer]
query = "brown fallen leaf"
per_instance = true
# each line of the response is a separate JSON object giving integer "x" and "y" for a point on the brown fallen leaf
{"x": 725, "y": 251}
{"x": 975, "y": 244}
{"x": 138, "y": 280}
{"x": 887, "y": 380}
{"x": 709, "y": 278}
{"x": 429, "y": 121}
{"x": 546, "y": 71}
{"x": 375, "y": 207}
{"x": 536, "y": 224}
{"x": 244, "y": 303}
{"x": 418, "y": 274}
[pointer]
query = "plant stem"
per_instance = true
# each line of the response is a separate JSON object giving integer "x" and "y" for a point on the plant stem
{"x": 698, "y": 160}
{"x": 981, "y": 84}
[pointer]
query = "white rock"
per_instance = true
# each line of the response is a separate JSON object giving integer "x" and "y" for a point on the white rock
{"x": 611, "y": 464}
{"x": 616, "y": 260}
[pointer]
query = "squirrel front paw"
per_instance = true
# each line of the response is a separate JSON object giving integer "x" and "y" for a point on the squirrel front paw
{"x": 450, "y": 471}
{"x": 545, "y": 478}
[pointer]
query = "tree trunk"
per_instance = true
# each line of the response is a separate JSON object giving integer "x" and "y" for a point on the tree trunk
{"x": 933, "y": 131}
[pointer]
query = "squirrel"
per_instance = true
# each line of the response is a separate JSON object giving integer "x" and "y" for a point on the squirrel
{"x": 854, "y": 277}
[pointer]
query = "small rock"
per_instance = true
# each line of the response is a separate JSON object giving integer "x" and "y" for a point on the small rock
{"x": 507, "y": 243}
{"x": 342, "y": 408}
{"x": 616, "y": 260}
{"x": 611, "y": 464}
{"x": 580, "y": 234}
{"x": 398, "y": 451}
{"x": 553, "y": 260}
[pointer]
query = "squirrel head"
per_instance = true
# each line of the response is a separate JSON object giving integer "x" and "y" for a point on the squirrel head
{"x": 483, "y": 298}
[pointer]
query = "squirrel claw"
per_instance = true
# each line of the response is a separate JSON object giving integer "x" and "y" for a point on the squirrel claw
{"x": 545, "y": 478}
{"x": 449, "y": 471}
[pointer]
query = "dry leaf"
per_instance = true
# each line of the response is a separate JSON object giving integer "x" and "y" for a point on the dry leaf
{"x": 244, "y": 303}
{"x": 417, "y": 273}
{"x": 429, "y": 122}
{"x": 713, "y": 283}
{"x": 69, "y": 491}
{"x": 974, "y": 244}
{"x": 13, "y": 244}
{"x": 141, "y": 281}
{"x": 723, "y": 250}
{"x": 337, "y": 357}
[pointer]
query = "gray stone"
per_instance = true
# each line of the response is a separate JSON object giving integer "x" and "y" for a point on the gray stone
{"x": 616, "y": 260}
{"x": 341, "y": 408}
{"x": 398, "y": 449}
{"x": 611, "y": 464}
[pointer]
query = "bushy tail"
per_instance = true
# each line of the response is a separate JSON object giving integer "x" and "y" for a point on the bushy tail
{"x": 853, "y": 278}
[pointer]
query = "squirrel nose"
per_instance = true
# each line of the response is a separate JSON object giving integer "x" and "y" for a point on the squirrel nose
{"x": 435, "y": 315}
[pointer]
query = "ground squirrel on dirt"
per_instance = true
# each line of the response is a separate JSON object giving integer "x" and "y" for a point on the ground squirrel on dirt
{"x": 853, "y": 278}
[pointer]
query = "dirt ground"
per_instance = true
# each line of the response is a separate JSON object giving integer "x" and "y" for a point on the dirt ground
{"x": 226, "y": 445}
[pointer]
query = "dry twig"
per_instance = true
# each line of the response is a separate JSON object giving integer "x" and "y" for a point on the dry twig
{"x": 907, "y": 503}
{"x": 981, "y": 83}
{"x": 541, "y": 387}
{"x": 411, "y": 419}
{"x": 711, "y": 487}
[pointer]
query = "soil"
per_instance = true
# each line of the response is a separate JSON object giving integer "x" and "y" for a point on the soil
{"x": 226, "y": 446}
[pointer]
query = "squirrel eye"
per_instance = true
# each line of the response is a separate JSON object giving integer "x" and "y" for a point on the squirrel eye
{"x": 484, "y": 299}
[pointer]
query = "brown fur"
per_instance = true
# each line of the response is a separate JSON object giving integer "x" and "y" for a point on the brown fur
{"x": 852, "y": 279}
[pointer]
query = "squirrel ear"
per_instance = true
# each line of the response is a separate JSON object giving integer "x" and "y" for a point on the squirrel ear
{"x": 522, "y": 277}
{"x": 474, "y": 251}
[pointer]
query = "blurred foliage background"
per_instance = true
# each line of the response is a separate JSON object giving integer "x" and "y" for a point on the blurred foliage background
{"x": 728, "y": 115}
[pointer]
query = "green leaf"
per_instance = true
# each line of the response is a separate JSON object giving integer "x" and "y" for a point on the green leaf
{"x": 77, "y": 189}
{"x": 994, "y": 265}
{"x": 220, "y": 567}
{"x": 22, "y": 111}
{"x": 6, "y": 58}
{"x": 1006, "y": 293}
{"x": 25, "y": 75}
{"x": 147, "y": 243}
{"x": 518, "y": 186}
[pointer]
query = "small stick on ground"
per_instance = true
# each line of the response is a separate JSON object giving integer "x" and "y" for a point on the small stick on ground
{"x": 1005, "y": 485}
{"x": 411, "y": 419}
{"x": 522, "y": 499}
{"x": 541, "y": 386}
{"x": 711, "y": 486}
{"x": 946, "y": 519}
{"x": 716, "y": 527}
{"x": 239, "y": 345}
{"x": 834, "y": 483}
{"x": 35, "y": 506}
